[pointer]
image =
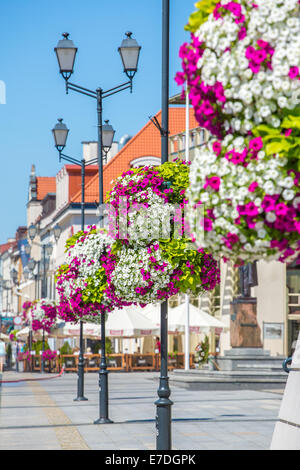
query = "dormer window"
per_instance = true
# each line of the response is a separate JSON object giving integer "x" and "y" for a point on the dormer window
{"x": 145, "y": 161}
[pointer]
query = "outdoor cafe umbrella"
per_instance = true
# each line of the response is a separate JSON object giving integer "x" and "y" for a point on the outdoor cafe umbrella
{"x": 120, "y": 323}
{"x": 25, "y": 332}
{"x": 199, "y": 320}
{"x": 129, "y": 322}
{"x": 4, "y": 337}
{"x": 90, "y": 330}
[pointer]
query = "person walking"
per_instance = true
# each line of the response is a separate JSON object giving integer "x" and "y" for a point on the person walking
{"x": 157, "y": 346}
{"x": 157, "y": 349}
{"x": 2, "y": 355}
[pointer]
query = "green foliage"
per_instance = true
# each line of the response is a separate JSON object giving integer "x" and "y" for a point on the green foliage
{"x": 63, "y": 269}
{"x": 173, "y": 355}
{"x": 177, "y": 174}
{"x": 72, "y": 240}
{"x": 37, "y": 346}
{"x": 108, "y": 345}
{"x": 205, "y": 8}
{"x": 96, "y": 285}
{"x": 275, "y": 140}
{"x": 66, "y": 348}
{"x": 96, "y": 346}
{"x": 14, "y": 332}
{"x": 202, "y": 351}
{"x": 9, "y": 351}
{"x": 178, "y": 253}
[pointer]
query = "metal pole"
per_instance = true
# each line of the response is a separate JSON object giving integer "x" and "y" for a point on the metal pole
{"x": 44, "y": 273}
{"x": 30, "y": 347}
{"x": 163, "y": 404}
{"x": 43, "y": 350}
{"x": 187, "y": 298}
{"x": 100, "y": 151}
{"x": 80, "y": 371}
{"x": 103, "y": 372}
{"x": 17, "y": 353}
{"x": 82, "y": 192}
{"x": 44, "y": 293}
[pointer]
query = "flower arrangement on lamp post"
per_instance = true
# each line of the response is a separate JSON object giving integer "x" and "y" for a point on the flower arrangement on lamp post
{"x": 241, "y": 69}
{"x": 42, "y": 315}
{"x": 135, "y": 261}
{"x": 111, "y": 270}
{"x": 155, "y": 259}
{"x": 84, "y": 283}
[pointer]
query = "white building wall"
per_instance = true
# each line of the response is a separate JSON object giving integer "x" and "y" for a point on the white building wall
{"x": 271, "y": 301}
{"x": 90, "y": 149}
{"x": 34, "y": 210}
{"x": 62, "y": 189}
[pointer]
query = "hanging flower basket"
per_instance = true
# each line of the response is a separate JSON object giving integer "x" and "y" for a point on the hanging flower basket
{"x": 84, "y": 285}
{"x": 155, "y": 272}
{"x": 43, "y": 314}
{"x": 251, "y": 202}
{"x": 148, "y": 261}
{"x": 144, "y": 200}
{"x": 241, "y": 69}
{"x": 155, "y": 259}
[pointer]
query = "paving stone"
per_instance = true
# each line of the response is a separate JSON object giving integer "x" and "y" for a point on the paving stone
{"x": 43, "y": 415}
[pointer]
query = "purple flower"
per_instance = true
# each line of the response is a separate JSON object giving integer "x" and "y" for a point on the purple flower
{"x": 214, "y": 182}
{"x": 253, "y": 187}
{"x": 293, "y": 72}
{"x": 256, "y": 144}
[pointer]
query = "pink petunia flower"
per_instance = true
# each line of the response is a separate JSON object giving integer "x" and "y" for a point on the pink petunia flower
{"x": 253, "y": 187}
{"x": 242, "y": 33}
{"x": 214, "y": 182}
{"x": 217, "y": 147}
{"x": 288, "y": 132}
{"x": 256, "y": 144}
{"x": 293, "y": 72}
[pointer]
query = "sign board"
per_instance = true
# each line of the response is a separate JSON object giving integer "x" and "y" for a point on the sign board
{"x": 273, "y": 330}
{"x": 18, "y": 321}
{"x": 116, "y": 332}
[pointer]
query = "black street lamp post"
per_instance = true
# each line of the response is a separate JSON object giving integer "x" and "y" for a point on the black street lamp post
{"x": 163, "y": 404}
{"x": 5, "y": 285}
{"x": 47, "y": 249}
{"x": 60, "y": 134}
{"x": 14, "y": 277}
{"x": 129, "y": 52}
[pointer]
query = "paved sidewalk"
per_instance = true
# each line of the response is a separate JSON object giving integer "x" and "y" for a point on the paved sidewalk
{"x": 42, "y": 415}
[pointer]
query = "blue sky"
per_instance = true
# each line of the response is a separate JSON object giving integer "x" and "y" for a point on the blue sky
{"x": 35, "y": 92}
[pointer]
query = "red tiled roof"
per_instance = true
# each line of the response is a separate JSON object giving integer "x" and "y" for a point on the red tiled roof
{"x": 147, "y": 142}
{"x": 45, "y": 185}
{"x": 6, "y": 246}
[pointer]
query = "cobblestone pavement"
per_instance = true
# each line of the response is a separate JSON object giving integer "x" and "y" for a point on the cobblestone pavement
{"x": 42, "y": 415}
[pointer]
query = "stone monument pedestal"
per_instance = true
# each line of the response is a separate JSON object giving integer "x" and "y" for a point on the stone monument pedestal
{"x": 247, "y": 353}
{"x": 244, "y": 329}
{"x": 249, "y": 359}
{"x": 246, "y": 366}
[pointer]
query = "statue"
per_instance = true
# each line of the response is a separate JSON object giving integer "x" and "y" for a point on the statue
{"x": 244, "y": 329}
{"x": 248, "y": 278}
